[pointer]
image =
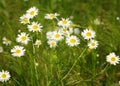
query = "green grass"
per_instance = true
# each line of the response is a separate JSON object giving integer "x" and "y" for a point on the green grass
{"x": 64, "y": 65}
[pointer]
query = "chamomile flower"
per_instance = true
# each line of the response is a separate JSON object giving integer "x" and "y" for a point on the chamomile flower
{"x": 88, "y": 34}
{"x": 32, "y": 12}
{"x": 112, "y": 58}
{"x": 52, "y": 43}
{"x": 4, "y": 76}
{"x": 23, "y": 38}
{"x": 18, "y": 51}
{"x": 93, "y": 44}
{"x": 64, "y": 22}
{"x": 1, "y": 49}
{"x": 51, "y": 16}
{"x": 25, "y": 19}
{"x": 72, "y": 40}
{"x": 6, "y": 41}
{"x": 35, "y": 27}
{"x": 38, "y": 43}
{"x": 57, "y": 36}
{"x": 49, "y": 35}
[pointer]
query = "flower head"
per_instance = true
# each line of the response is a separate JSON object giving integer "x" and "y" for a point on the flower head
{"x": 6, "y": 41}
{"x": 38, "y": 43}
{"x": 32, "y": 12}
{"x": 51, "y": 16}
{"x": 72, "y": 40}
{"x": 18, "y": 51}
{"x": 64, "y": 22}
{"x": 112, "y": 58}
{"x": 4, "y": 76}
{"x": 52, "y": 43}
{"x": 57, "y": 36}
{"x": 93, "y": 44}
{"x": 25, "y": 19}
{"x": 35, "y": 27}
{"x": 88, "y": 34}
{"x": 23, "y": 38}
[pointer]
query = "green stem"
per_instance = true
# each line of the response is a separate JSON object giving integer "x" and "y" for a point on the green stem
{"x": 74, "y": 64}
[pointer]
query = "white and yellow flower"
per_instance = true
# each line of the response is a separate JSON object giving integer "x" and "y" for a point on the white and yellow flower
{"x": 38, "y": 43}
{"x": 52, "y": 43}
{"x": 88, "y": 34}
{"x": 51, "y": 16}
{"x": 25, "y": 19}
{"x": 72, "y": 40}
{"x": 64, "y": 22}
{"x": 4, "y": 76}
{"x": 57, "y": 36}
{"x": 112, "y": 58}
{"x": 18, "y": 51}
{"x": 35, "y": 27}
{"x": 93, "y": 44}
{"x": 32, "y": 12}
{"x": 6, "y": 41}
{"x": 23, "y": 38}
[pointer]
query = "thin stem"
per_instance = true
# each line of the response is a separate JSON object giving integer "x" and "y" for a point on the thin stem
{"x": 74, "y": 64}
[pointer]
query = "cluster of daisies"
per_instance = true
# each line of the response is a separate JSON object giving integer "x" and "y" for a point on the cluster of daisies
{"x": 64, "y": 31}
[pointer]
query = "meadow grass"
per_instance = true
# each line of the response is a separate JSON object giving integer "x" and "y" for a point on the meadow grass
{"x": 63, "y": 65}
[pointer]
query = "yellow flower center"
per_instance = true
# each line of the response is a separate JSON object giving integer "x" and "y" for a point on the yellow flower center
{"x": 92, "y": 44}
{"x": 52, "y": 16}
{"x": 3, "y": 75}
{"x": 57, "y": 35}
{"x": 113, "y": 59}
{"x": 88, "y": 34}
{"x": 23, "y": 38}
{"x": 32, "y": 13}
{"x": 64, "y": 22}
{"x": 25, "y": 20}
{"x": 18, "y": 51}
{"x": 53, "y": 43}
{"x": 72, "y": 40}
{"x": 35, "y": 27}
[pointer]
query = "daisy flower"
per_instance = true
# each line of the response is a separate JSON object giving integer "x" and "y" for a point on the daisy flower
{"x": 112, "y": 58}
{"x": 35, "y": 27}
{"x": 51, "y": 16}
{"x": 18, "y": 51}
{"x": 93, "y": 44}
{"x": 32, "y": 12}
{"x": 88, "y": 34}
{"x": 6, "y": 41}
{"x": 38, "y": 43}
{"x": 52, "y": 43}
{"x": 64, "y": 22}
{"x": 1, "y": 49}
{"x": 4, "y": 76}
{"x": 57, "y": 36}
{"x": 25, "y": 19}
{"x": 72, "y": 40}
{"x": 23, "y": 38}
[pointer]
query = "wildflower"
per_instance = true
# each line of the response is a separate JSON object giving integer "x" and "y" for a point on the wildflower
{"x": 32, "y": 12}
{"x": 76, "y": 31}
{"x": 112, "y": 58}
{"x": 18, "y": 51}
{"x": 25, "y": 19}
{"x": 93, "y": 44}
{"x": 51, "y": 16}
{"x": 4, "y": 76}
{"x": 72, "y": 41}
{"x": 35, "y": 27}
{"x": 23, "y": 38}
{"x": 1, "y": 49}
{"x": 38, "y": 43}
{"x": 57, "y": 36}
{"x": 88, "y": 34}
{"x": 64, "y": 22}
{"x": 6, "y": 41}
{"x": 52, "y": 43}
{"x": 49, "y": 35}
